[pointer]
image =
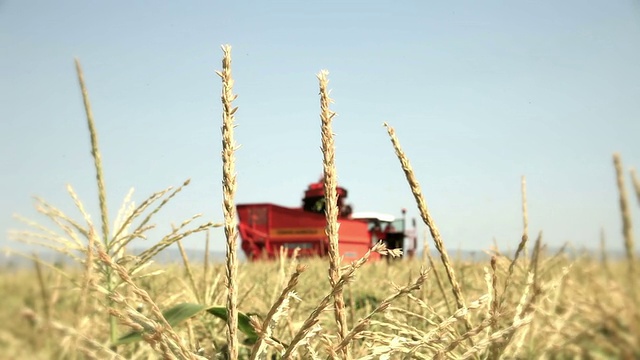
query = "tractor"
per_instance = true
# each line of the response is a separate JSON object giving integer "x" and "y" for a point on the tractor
{"x": 268, "y": 230}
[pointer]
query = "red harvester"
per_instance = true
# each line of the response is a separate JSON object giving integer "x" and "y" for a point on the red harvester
{"x": 267, "y": 228}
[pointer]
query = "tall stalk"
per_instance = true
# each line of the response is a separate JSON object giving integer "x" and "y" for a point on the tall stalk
{"x": 102, "y": 198}
{"x": 228, "y": 192}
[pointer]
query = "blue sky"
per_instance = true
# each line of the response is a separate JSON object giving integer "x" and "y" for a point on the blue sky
{"x": 480, "y": 93}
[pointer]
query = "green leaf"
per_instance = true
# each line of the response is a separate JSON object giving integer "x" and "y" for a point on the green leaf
{"x": 181, "y": 312}
{"x": 244, "y": 324}
{"x": 174, "y": 316}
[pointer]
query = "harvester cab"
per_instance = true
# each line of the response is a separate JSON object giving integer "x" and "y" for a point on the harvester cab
{"x": 314, "y": 201}
{"x": 384, "y": 227}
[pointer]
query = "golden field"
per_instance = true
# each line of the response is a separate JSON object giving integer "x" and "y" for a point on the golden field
{"x": 529, "y": 303}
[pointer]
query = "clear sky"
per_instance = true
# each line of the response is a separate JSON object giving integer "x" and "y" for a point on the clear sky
{"x": 479, "y": 92}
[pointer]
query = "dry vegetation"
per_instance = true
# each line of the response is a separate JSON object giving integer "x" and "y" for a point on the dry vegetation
{"x": 118, "y": 306}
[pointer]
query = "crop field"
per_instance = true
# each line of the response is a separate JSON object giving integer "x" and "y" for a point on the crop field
{"x": 529, "y": 303}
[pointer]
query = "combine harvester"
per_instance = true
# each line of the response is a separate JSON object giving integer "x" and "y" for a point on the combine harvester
{"x": 267, "y": 229}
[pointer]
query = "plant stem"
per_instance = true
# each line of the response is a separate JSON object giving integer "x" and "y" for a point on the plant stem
{"x": 102, "y": 197}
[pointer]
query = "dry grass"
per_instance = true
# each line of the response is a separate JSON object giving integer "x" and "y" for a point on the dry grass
{"x": 538, "y": 306}
{"x": 428, "y": 220}
{"x": 331, "y": 203}
{"x": 636, "y": 184}
{"x": 575, "y": 314}
{"x": 627, "y": 228}
{"x": 228, "y": 191}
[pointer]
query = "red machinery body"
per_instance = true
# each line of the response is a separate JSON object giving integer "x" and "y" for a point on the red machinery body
{"x": 267, "y": 229}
